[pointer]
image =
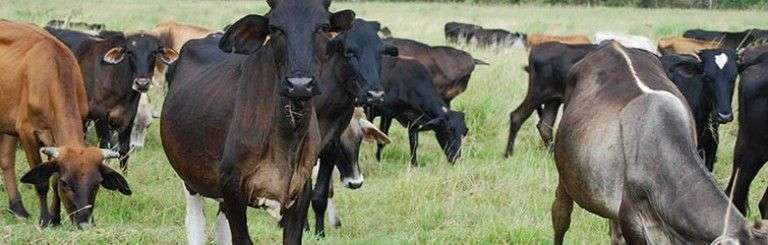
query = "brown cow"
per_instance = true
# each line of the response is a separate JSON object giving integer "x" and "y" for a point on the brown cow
{"x": 451, "y": 68}
{"x": 537, "y": 39}
{"x": 683, "y": 45}
{"x": 44, "y": 102}
{"x": 626, "y": 151}
{"x": 174, "y": 35}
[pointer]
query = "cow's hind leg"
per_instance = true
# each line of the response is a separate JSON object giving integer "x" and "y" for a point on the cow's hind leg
{"x": 8, "y": 166}
{"x": 547, "y": 123}
{"x": 195, "y": 219}
{"x": 746, "y": 164}
{"x": 518, "y": 117}
{"x": 561, "y": 213}
{"x": 386, "y": 122}
{"x": 223, "y": 234}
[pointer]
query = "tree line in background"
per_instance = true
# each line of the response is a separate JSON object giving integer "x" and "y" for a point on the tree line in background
{"x": 742, "y": 4}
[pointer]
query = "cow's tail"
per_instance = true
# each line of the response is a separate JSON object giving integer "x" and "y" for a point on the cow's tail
{"x": 480, "y": 62}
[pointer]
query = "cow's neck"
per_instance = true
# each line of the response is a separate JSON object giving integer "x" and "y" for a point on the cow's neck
{"x": 336, "y": 103}
{"x": 65, "y": 128}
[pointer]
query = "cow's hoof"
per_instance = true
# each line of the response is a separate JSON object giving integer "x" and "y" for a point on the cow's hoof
{"x": 45, "y": 220}
{"x": 336, "y": 223}
{"x": 17, "y": 209}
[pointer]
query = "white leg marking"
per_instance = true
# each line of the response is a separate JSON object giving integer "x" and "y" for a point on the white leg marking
{"x": 333, "y": 216}
{"x": 223, "y": 234}
{"x": 195, "y": 220}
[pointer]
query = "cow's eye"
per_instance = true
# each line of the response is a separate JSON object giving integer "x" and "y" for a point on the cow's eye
{"x": 349, "y": 54}
{"x": 324, "y": 27}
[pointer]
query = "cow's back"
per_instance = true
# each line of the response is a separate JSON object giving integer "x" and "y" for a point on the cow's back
{"x": 40, "y": 75}
{"x": 197, "y": 111}
{"x": 588, "y": 152}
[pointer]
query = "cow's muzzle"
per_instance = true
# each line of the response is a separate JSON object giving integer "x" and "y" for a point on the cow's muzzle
{"x": 375, "y": 96}
{"x": 724, "y": 118}
{"x": 301, "y": 88}
{"x": 142, "y": 85}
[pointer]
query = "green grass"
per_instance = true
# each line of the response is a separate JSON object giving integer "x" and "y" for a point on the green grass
{"x": 484, "y": 199}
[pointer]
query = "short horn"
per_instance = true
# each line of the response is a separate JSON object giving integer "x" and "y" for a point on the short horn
{"x": 52, "y": 152}
{"x": 109, "y": 154}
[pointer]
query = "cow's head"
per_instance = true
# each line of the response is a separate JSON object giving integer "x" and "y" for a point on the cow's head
{"x": 294, "y": 30}
{"x": 450, "y": 130}
{"x": 80, "y": 173}
{"x": 361, "y": 48}
{"x": 720, "y": 71}
{"x": 348, "y": 148}
{"x": 140, "y": 51}
{"x": 686, "y": 72}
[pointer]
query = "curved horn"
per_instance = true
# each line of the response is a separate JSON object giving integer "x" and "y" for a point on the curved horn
{"x": 52, "y": 152}
{"x": 109, "y": 154}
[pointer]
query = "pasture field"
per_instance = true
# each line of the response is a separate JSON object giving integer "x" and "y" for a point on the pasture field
{"x": 483, "y": 199}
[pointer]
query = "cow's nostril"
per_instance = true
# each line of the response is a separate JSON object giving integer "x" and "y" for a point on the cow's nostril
{"x": 375, "y": 94}
{"x": 724, "y": 118}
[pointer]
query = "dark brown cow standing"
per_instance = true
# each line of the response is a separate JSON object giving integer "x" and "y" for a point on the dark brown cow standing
{"x": 626, "y": 151}
{"x": 244, "y": 128}
{"x": 116, "y": 70}
{"x": 548, "y": 65}
{"x": 451, "y": 68}
{"x": 43, "y": 103}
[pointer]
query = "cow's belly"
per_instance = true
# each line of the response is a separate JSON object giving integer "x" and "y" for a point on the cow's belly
{"x": 591, "y": 166}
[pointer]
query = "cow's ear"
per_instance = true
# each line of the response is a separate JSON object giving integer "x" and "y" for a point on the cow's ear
{"x": 112, "y": 180}
{"x": 687, "y": 69}
{"x": 342, "y": 20}
{"x": 114, "y": 55}
{"x": 372, "y": 134}
{"x": 246, "y": 35}
{"x": 168, "y": 56}
{"x": 40, "y": 173}
{"x": 391, "y": 50}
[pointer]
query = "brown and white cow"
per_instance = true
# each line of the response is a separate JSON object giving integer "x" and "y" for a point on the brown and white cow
{"x": 43, "y": 101}
{"x": 683, "y": 45}
{"x": 537, "y": 39}
{"x": 174, "y": 35}
{"x": 626, "y": 151}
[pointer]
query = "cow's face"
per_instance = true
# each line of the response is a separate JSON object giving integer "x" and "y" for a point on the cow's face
{"x": 450, "y": 131}
{"x": 362, "y": 49}
{"x": 686, "y": 72}
{"x": 720, "y": 71}
{"x": 294, "y": 30}
{"x": 80, "y": 173}
{"x": 359, "y": 129}
{"x": 141, "y": 51}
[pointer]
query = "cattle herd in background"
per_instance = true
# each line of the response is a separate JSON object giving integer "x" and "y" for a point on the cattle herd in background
{"x": 275, "y": 96}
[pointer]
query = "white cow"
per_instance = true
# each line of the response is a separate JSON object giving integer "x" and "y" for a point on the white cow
{"x": 629, "y": 41}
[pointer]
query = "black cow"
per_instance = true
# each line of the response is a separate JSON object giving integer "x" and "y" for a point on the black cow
{"x": 411, "y": 99}
{"x": 707, "y": 81}
{"x": 548, "y": 66}
{"x": 352, "y": 73}
{"x": 751, "y": 150}
{"x": 116, "y": 70}
{"x": 455, "y": 31}
{"x": 496, "y": 37}
{"x": 243, "y": 127}
{"x": 730, "y": 40}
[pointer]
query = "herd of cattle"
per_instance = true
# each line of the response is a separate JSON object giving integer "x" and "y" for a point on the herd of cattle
{"x": 251, "y": 110}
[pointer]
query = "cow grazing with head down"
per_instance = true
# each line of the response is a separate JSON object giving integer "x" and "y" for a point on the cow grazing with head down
{"x": 750, "y": 156}
{"x": 342, "y": 154}
{"x": 450, "y": 68}
{"x": 255, "y": 111}
{"x": 707, "y": 81}
{"x": 548, "y": 66}
{"x": 684, "y": 45}
{"x": 647, "y": 178}
{"x": 412, "y": 100}
{"x": 352, "y": 75}
{"x": 456, "y": 32}
{"x": 117, "y": 70}
{"x": 47, "y": 109}
{"x": 497, "y": 38}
